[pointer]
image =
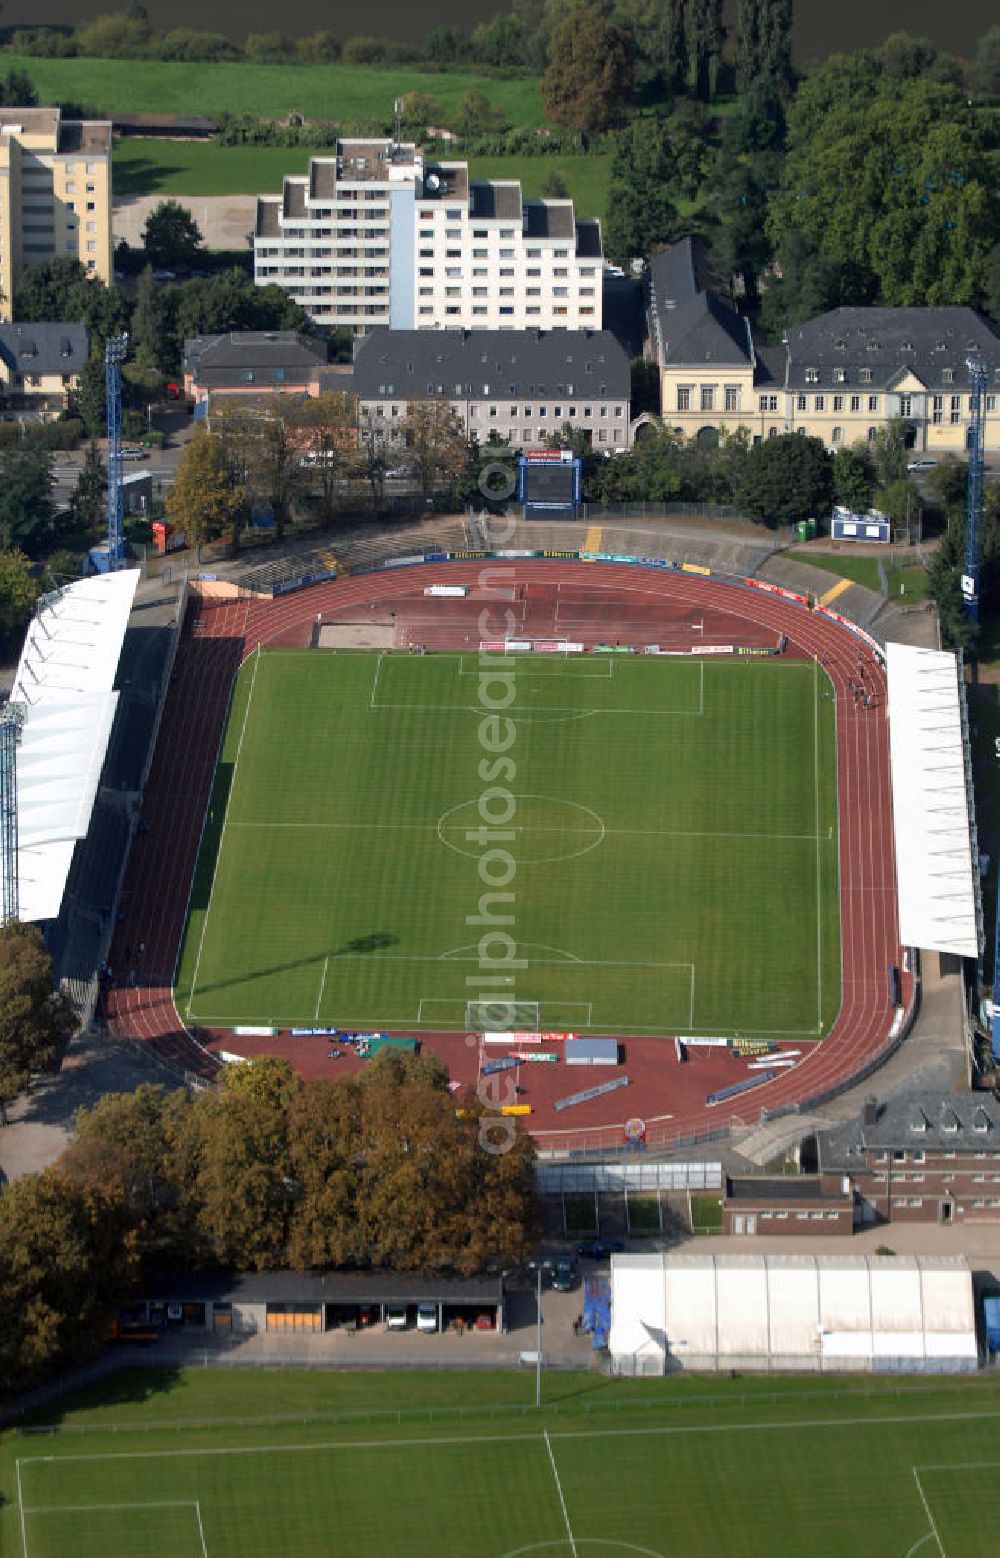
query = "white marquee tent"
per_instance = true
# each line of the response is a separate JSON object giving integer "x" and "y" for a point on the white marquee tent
{"x": 875, "y": 1313}
{"x": 64, "y": 686}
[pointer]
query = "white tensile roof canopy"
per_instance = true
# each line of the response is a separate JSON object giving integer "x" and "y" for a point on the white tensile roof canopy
{"x": 710, "y": 1311}
{"x": 64, "y": 686}
{"x": 934, "y": 864}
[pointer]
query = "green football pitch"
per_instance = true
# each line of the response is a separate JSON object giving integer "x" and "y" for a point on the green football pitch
{"x": 670, "y": 1469}
{"x": 668, "y": 828}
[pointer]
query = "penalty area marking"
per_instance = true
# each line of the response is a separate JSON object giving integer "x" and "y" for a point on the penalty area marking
{"x": 97, "y": 1509}
{"x": 322, "y": 985}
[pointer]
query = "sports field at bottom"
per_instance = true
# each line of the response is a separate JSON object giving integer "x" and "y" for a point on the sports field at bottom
{"x": 688, "y": 1469}
{"x": 666, "y": 831}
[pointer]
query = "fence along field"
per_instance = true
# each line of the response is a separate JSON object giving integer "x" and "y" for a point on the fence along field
{"x": 675, "y": 840}
{"x": 874, "y": 1468}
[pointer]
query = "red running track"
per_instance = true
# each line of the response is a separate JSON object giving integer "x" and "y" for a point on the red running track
{"x": 602, "y": 601}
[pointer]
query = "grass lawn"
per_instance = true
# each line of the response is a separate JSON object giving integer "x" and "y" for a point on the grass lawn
{"x": 695, "y": 1466}
{"x": 671, "y": 819}
{"x": 587, "y": 178}
{"x": 907, "y": 584}
{"x": 147, "y": 166}
{"x": 706, "y": 1214}
{"x": 862, "y": 570}
{"x": 579, "y": 1215}
{"x": 341, "y": 92}
{"x": 643, "y": 1213}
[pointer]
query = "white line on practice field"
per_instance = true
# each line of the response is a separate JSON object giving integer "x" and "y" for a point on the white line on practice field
{"x": 562, "y": 1501}
{"x": 322, "y": 985}
{"x": 691, "y": 1006}
{"x": 927, "y": 1510}
{"x": 222, "y": 835}
{"x": 201, "y": 1529}
{"x": 426, "y": 1441}
{"x": 90, "y": 1509}
{"x": 20, "y": 1505}
{"x": 378, "y": 667}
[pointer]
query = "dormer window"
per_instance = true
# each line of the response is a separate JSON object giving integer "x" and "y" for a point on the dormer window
{"x": 948, "y": 375}
{"x": 812, "y": 375}
{"x": 949, "y": 1122}
{"x": 906, "y": 346}
{"x": 874, "y": 346}
{"x": 866, "y": 375}
{"x": 981, "y": 1122}
{"x": 941, "y": 346}
{"x": 840, "y": 376}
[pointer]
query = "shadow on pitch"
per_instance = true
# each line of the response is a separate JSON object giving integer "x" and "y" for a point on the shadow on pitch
{"x": 376, "y": 941}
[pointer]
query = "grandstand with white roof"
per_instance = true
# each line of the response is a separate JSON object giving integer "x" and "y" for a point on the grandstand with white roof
{"x": 54, "y": 734}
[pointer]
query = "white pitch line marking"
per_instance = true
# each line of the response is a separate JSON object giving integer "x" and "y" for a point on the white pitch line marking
{"x": 378, "y": 667}
{"x": 222, "y": 835}
{"x": 322, "y": 986}
{"x": 927, "y": 1510}
{"x": 562, "y": 1501}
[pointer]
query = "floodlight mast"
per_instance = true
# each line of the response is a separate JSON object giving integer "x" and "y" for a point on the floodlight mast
{"x": 11, "y": 725}
{"x": 114, "y": 355}
{"x": 974, "y": 491}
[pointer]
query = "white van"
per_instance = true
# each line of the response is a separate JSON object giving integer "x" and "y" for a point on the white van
{"x": 427, "y": 1317}
{"x": 395, "y": 1318}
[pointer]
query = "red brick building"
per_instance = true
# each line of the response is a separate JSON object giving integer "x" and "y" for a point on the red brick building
{"x": 920, "y": 1157}
{"x": 785, "y": 1204}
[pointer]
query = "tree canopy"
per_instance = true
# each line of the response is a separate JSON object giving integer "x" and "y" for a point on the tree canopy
{"x": 787, "y": 478}
{"x": 890, "y": 185}
{"x": 171, "y": 236}
{"x": 35, "y": 1020}
{"x": 204, "y": 501}
{"x": 590, "y": 73}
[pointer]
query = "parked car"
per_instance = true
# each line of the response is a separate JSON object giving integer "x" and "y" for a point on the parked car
{"x": 395, "y": 1318}
{"x": 600, "y": 1249}
{"x": 399, "y": 471}
{"x": 485, "y": 1322}
{"x": 134, "y": 452}
{"x": 427, "y": 1317}
{"x": 921, "y": 465}
{"x": 564, "y": 1274}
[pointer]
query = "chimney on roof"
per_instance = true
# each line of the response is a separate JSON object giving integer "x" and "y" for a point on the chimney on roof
{"x": 869, "y": 1114}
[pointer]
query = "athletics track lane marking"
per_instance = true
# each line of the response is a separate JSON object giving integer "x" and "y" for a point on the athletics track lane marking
{"x": 222, "y": 835}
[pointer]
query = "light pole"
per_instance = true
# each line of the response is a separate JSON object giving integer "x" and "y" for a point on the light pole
{"x": 538, "y": 1267}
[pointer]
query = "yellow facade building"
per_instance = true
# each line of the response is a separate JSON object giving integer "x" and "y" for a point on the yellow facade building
{"x": 55, "y": 194}
{"x": 839, "y": 377}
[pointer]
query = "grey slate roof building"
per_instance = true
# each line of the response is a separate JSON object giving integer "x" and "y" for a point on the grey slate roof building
{"x": 690, "y": 318}
{"x": 518, "y": 385}
{"x": 43, "y": 348}
{"x": 966, "y": 1122}
{"x": 260, "y": 359}
{"x": 461, "y": 363}
{"x": 877, "y": 346}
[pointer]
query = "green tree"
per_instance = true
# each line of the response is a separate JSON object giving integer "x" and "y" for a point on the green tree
{"x": 435, "y": 441}
{"x": 35, "y": 1020}
{"x": 25, "y": 497}
{"x": 148, "y": 336}
{"x": 121, "y": 1143}
{"x": 899, "y": 501}
{"x": 763, "y": 42}
{"x": 892, "y": 187}
{"x": 17, "y": 90}
{"x": 89, "y": 502}
{"x": 420, "y": 109}
{"x": 18, "y": 593}
{"x": 371, "y": 464}
{"x": 704, "y": 35}
{"x": 889, "y": 454}
{"x": 948, "y": 482}
{"x": 554, "y": 186}
{"x": 89, "y": 400}
{"x": 986, "y": 63}
{"x": 171, "y": 236}
{"x": 265, "y": 455}
{"x": 641, "y": 214}
{"x": 590, "y": 74}
{"x": 476, "y": 115}
{"x": 204, "y": 501}
{"x": 787, "y": 478}
{"x": 852, "y": 477}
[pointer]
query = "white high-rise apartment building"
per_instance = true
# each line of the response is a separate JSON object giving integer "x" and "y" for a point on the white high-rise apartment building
{"x": 376, "y": 236}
